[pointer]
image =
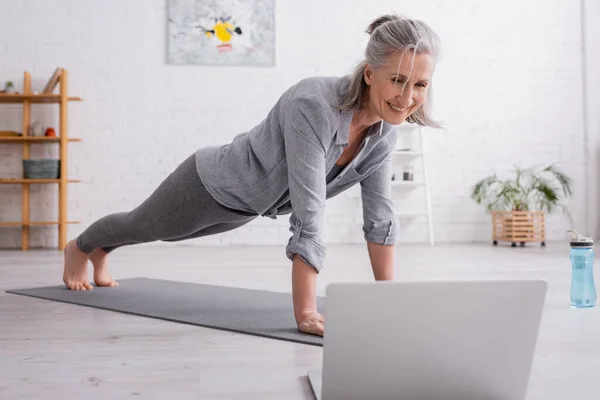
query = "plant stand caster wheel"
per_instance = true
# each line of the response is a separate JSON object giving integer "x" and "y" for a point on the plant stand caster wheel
{"x": 543, "y": 244}
{"x": 513, "y": 244}
{"x": 522, "y": 244}
{"x": 495, "y": 243}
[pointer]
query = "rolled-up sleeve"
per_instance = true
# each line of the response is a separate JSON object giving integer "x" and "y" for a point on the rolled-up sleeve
{"x": 305, "y": 156}
{"x": 379, "y": 220}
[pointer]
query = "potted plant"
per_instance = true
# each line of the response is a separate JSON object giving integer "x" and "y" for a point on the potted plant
{"x": 9, "y": 87}
{"x": 519, "y": 206}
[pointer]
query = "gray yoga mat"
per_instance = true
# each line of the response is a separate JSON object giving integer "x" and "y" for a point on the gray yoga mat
{"x": 255, "y": 312}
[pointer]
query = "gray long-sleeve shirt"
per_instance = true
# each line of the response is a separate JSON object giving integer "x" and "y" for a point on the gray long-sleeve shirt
{"x": 280, "y": 167}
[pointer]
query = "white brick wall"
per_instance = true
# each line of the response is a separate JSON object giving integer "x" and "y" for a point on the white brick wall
{"x": 508, "y": 89}
{"x": 591, "y": 12}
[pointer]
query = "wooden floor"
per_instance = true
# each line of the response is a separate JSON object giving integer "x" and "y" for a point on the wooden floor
{"x": 51, "y": 350}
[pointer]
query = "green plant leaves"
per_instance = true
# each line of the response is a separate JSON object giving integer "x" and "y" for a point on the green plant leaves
{"x": 531, "y": 189}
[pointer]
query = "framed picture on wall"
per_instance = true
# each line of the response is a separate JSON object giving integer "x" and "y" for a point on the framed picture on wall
{"x": 221, "y": 32}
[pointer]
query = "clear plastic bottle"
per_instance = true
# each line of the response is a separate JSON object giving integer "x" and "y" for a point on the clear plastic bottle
{"x": 583, "y": 290}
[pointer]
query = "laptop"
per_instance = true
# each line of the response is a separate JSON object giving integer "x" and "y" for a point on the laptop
{"x": 462, "y": 340}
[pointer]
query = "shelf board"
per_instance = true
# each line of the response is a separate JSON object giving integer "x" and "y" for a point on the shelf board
{"x": 408, "y": 152}
{"x": 9, "y": 181}
{"x": 18, "y": 139}
{"x": 408, "y": 183}
{"x": 35, "y": 223}
{"x": 7, "y": 98}
{"x": 410, "y": 215}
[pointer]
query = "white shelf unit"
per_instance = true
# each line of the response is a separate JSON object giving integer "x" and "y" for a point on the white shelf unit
{"x": 412, "y": 155}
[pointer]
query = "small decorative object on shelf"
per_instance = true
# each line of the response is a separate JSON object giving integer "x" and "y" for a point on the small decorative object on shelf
{"x": 518, "y": 206}
{"x": 53, "y": 81}
{"x": 36, "y": 129}
{"x": 9, "y": 87}
{"x": 50, "y": 132}
{"x": 41, "y": 169}
{"x": 408, "y": 173}
{"x": 9, "y": 133}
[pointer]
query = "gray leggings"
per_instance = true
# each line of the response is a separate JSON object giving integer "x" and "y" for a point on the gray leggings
{"x": 179, "y": 209}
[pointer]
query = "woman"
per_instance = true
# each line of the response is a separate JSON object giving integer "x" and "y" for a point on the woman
{"x": 322, "y": 136}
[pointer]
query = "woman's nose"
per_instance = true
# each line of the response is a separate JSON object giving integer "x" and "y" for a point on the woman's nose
{"x": 405, "y": 99}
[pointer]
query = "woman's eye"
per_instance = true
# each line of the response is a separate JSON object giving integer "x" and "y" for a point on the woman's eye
{"x": 402, "y": 82}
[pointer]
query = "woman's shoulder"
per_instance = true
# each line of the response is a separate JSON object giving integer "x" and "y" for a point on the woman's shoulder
{"x": 313, "y": 99}
{"x": 322, "y": 90}
{"x": 323, "y": 84}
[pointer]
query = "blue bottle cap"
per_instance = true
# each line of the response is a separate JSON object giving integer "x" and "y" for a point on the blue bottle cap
{"x": 578, "y": 240}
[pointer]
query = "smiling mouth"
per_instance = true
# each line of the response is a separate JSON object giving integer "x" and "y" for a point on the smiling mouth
{"x": 397, "y": 109}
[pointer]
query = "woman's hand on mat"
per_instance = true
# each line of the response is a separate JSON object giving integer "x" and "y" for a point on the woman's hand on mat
{"x": 311, "y": 322}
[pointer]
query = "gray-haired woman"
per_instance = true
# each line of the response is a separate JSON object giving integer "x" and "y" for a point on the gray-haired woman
{"x": 324, "y": 135}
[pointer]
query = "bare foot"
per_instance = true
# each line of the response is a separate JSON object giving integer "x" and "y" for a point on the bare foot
{"x": 101, "y": 276}
{"x": 75, "y": 272}
{"x": 312, "y": 322}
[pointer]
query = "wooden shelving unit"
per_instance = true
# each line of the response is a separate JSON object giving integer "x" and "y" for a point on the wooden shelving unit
{"x": 27, "y": 98}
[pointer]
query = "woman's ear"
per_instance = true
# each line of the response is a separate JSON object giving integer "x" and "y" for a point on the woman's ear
{"x": 368, "y": 74}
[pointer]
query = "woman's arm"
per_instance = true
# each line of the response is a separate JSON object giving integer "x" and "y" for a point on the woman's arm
{"x": 304, "y": 294}
{"x": 305, "y": 156}
{"x": 379, "y": 220}
{"x": 382, "y": 261}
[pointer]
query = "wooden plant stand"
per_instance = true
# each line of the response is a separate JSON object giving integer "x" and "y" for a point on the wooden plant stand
{"x": 27, "y": 98}
{"x": 519, "y": 226}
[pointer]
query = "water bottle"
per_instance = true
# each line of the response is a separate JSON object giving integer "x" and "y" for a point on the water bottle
{"x": 583, "y": 290}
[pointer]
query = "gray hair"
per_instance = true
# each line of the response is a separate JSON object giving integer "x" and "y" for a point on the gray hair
{"x": 390, "y": 34}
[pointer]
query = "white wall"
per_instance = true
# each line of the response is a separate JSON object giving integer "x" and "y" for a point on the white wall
{"x": 591, "y": 48}
{"x": 508, "y": 89}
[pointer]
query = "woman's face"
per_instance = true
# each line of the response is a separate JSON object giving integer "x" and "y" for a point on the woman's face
{"x": 399, "y": 87}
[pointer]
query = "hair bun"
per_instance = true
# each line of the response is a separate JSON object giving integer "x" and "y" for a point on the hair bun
{"x": 380, "y": 21}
